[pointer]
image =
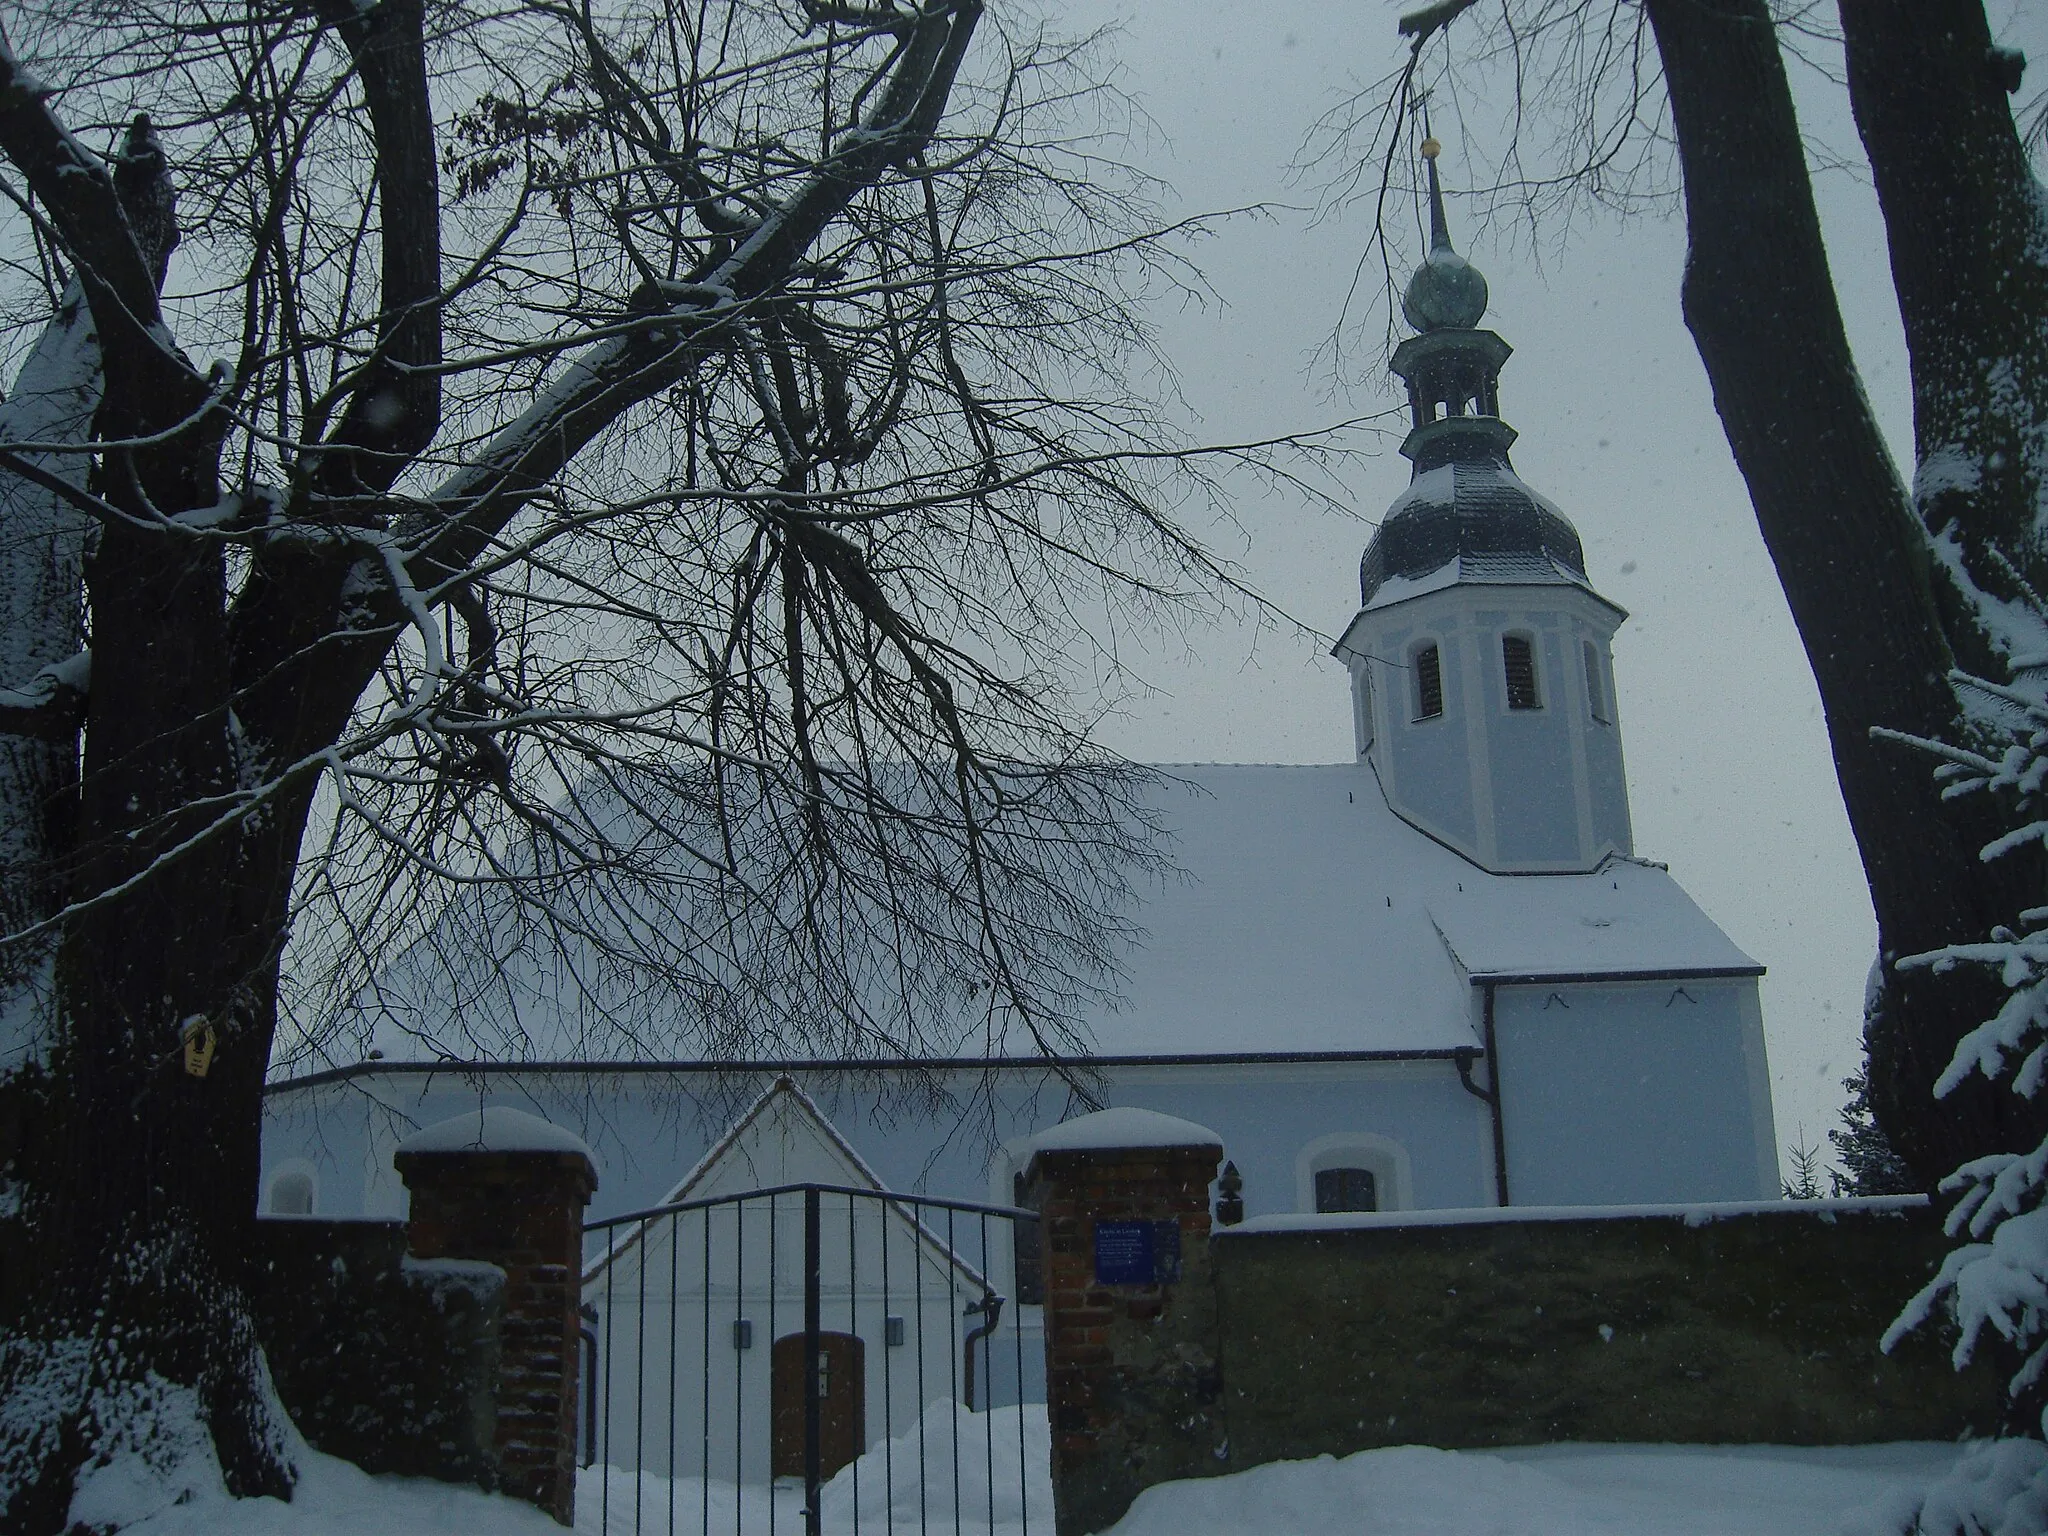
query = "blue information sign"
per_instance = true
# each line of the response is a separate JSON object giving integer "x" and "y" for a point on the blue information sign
{"x": 1137, "y": 1252}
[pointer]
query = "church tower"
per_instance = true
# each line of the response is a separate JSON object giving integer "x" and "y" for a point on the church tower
{"x": 1481, "y": 678}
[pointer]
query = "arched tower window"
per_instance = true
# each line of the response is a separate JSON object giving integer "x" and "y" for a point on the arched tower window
{"x": 1427, "y": 669}
{"x": 1596, "y": 692}
{"x": 1518, "y": 661}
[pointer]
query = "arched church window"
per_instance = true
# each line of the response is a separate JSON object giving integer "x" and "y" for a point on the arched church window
{"x": 291, "y": 1194}
{"x": 1427, "y": 668}
{"x": 1596, "y": 694}
{"x": 1346, "y": 1189}
{"x": 1518, "y": 659}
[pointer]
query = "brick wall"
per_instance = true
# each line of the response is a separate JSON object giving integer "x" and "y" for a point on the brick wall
{"x": 390, "y": 1365}
{"x": 1131, "y": 1369}
{"x": 1280, "y": 1341}
{"x": 523, "y": 1212}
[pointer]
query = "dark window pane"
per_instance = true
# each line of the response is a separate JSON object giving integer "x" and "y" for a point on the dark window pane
{"x": 1429, "y": 683}
{"x": 1596, "y": 696}
{"x": 1347, "y": 1189}
{"x": 1520, "y": 662}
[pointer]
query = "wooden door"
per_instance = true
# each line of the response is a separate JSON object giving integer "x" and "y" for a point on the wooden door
{"x": 842, "y": 1403}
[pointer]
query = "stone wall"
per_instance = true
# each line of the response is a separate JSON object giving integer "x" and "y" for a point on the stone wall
{"x": 1758, "y": 1328}
{"x": 1287, "y": 1338}
{"x": 520, "y": 1209}
{"x": 382, "y": 1360}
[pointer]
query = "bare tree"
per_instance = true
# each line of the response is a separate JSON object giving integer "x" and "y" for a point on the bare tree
{"x": 660, "y": 457}
{"x": 1891, "y": 585}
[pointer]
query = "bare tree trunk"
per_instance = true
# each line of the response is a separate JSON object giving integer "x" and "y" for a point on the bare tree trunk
{"x": 1967, "y": 236}
{"x": 42, "y": 603}
{"x": 141, "y": 1182}
{"x": 1848, "y": 547}
{"x": 1969, "y": 254}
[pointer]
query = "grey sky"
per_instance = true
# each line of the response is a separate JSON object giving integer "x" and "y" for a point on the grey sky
{"x": 1728, "y": 764}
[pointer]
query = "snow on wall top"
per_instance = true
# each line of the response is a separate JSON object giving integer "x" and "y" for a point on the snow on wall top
{"x": 1310, "y": 919}
{"x": 497, "y": 1129}
{"x": 1116, "y": 1128}
{"x": 1692, "y": 1213}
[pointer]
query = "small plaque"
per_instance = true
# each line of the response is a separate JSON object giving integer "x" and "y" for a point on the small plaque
{"x": 1137, "y": 1252}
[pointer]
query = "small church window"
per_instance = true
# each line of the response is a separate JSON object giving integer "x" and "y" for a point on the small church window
{"x": 1518, "y": 658}
{"x": 291, "y": 1194}
{"x": 1596, "y": 695}
{"x": 1346, "y": 1189}
{"x": 1429, "y": 683}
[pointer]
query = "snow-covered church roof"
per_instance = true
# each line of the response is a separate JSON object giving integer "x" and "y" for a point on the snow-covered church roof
{"x": 1311, "y": 919}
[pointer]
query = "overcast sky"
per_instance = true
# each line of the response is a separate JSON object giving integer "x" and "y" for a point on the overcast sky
{"x": 1729, "y": 773}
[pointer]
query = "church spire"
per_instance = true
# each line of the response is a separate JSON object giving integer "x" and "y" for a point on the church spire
{"x": 1452, "y": 369}
{"x": 1449, "y": 365}
{"x": 1447, "y": 292}
{"x": 1439, "y": 226}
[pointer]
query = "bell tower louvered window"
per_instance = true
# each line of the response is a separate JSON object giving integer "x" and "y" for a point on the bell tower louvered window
{"x": 1518, "y": 659}
{"x": 1596, "y": 695}
{"x": 1429, "y": 682}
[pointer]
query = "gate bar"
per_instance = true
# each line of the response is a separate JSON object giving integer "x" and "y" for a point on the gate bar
{"x": 813, "y": 1515}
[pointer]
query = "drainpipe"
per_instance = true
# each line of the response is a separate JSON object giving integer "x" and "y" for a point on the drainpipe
{"x": 1500, "y": 1135}
{"x": 1489, "y": 1095}
{"x": 587, "y": 1315}
{"x": 990, "y": 1308}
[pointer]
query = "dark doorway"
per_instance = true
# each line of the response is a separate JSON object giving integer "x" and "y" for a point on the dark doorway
{"x": 842, "y": 1403}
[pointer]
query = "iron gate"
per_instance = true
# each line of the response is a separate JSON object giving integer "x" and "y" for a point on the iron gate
{"x": 814, "y": 1357}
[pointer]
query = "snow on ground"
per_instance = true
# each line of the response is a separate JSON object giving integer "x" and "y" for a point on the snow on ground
{"x": 1556, "y": 1490}
{"x": 1560, "y": 1490}
{"x": 976, "y": 1486}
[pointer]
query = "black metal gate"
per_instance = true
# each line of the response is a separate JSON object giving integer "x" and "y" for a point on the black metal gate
{"x": 814, "y": 1357}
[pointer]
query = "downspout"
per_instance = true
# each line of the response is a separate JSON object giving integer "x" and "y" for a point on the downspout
{"x": 1489, "y": 1095}
{"x": 587, "y": 1330}
{"x": 990, "y": 1308}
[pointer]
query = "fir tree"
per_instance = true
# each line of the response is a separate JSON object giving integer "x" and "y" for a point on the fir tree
{"x": 1869, "y": 1165}
{"x": 1804, "y": 1184}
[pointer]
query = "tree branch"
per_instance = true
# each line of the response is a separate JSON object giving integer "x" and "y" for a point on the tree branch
{"x": 147, "y": 381}
{"x": 396, "y": 408}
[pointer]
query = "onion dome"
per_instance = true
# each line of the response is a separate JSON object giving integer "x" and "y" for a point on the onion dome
{"x": 1466, "y": 515}
{"x": 1447, "y": 292}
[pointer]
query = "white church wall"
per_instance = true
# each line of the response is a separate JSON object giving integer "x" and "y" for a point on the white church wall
{"x": 648, "y": 1129}
{"x": 1534, "y": 796}
{"x": 1268, "y": 1114}
{"x": 1426, "y": 765}
{"x": 1628, "y": 1092}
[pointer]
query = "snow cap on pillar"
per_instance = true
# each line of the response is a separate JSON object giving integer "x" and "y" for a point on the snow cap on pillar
{"x": 496, "y": 1129}
{"x": 1120, "y": 1129}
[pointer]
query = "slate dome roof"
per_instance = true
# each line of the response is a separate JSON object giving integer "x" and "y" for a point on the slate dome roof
{"x": 1467, "y": 506}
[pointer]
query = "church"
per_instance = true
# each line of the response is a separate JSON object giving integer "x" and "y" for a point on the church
{"x": 1437, "y": 976}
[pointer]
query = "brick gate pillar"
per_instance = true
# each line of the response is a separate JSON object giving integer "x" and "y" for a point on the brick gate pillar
{"x": 503, "y": 1187}
{"x": 1133, "y": 1383}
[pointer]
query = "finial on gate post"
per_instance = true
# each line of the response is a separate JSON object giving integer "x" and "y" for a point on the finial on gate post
{"x": 1229, "y": 1197}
